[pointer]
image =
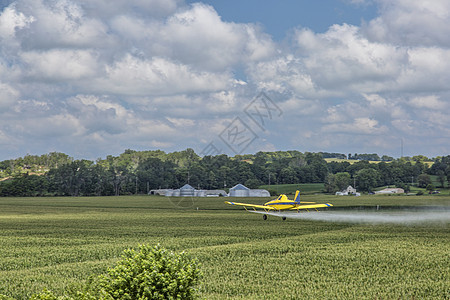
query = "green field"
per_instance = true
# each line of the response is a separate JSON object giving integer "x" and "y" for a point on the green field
{"x": 350, "y": 161}
{"x": 57, "y": 243}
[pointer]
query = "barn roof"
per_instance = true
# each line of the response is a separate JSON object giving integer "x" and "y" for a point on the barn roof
{"x": 239, "y": 187}
{"x": 186, "y": 187}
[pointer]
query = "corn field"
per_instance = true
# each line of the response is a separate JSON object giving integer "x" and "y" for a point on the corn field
{"x": 58, "y": 243}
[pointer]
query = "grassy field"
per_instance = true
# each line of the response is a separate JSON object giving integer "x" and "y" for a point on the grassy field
{"x": 350, "y": 161}
{"x": 56, "y": 243}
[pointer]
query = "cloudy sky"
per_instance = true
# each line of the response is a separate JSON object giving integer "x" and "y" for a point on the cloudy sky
{"x": 94, "y": 77}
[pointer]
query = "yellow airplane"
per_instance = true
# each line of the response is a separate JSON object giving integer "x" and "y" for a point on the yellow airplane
{"x": 282, "y": 203}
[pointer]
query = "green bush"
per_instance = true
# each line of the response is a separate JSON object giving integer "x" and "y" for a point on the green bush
{"x": 152, "y": 273}
{"x": 46, "y": 295}
{"x": 149, "y": 273}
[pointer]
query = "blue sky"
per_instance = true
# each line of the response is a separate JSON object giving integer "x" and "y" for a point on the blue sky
{"x": 93, "y": 78}
{"x": 278, "y": 18}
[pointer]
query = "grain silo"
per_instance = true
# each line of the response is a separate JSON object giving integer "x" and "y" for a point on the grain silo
{"x": 187, "y": 191}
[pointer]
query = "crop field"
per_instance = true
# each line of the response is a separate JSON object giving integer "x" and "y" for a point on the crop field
{"x": 58, "y": 243}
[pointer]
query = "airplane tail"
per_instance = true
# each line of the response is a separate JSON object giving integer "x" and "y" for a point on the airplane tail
{"x": 297, "y": 197}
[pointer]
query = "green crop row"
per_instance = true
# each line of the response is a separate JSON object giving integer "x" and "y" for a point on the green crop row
{"x": 58, "y": 243}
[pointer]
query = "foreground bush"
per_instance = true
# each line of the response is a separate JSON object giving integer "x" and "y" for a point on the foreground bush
{"x": 152, "y": 273}
{"x": 149, "y": 273}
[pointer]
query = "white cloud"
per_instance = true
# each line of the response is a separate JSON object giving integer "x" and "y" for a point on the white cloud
{"x": 426, "y": 69}
{"x": 53, "y": 126}
{"x": 158, "y": 76}
{"x": 282, "y": 74}
{"x": 179, "y": 122}
{"x": 199, "y": 36}
{"x": 440, "y": 120}
{"x": 59, "y": 24}
{"x": 375, "y": 100}
{"x": 295, "y": 107}
{"x": 8, "y": 96}
{"x": 342, "y": 59}
{"x": 431, "y": 102}
{"x": 161, "y": 73}
{"x": 60, "y": 65}
{"x": 358, "y": 126}
{"x": 11, "y": 21}
{"x": 99, "y": 115}
{"x": 411, "y": 23}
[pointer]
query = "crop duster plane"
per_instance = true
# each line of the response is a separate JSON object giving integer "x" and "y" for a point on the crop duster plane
{"x": 281, "y": 203}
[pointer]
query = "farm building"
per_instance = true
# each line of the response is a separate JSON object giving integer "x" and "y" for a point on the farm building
{"x": 348, "y": 191}
{"x": 161, "y": 192}
{"x": 391, "y": 191}
{"x": 240, "y": 190}
{"x": 188, "y": 191}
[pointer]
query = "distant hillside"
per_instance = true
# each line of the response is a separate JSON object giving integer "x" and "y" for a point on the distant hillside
{"x": 137, "y": 172}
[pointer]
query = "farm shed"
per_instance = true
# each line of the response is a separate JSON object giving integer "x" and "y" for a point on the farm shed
{"x": 391, "y": 191}
{"x": 188, "y": 191}
{"x": 240, "y": 190}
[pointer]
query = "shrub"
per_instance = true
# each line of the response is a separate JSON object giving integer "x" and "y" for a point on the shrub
{"x": 152, "y": 273}
{"x": 149, "y": 273}
{"x": 46, "y": 295}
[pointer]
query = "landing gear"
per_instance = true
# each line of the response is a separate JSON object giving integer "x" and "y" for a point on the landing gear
{"x": 264, "y": 217}
{"x": 284, "y": 218}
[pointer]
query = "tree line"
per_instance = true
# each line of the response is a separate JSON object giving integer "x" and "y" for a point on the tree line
{"x": 138, "y": 172}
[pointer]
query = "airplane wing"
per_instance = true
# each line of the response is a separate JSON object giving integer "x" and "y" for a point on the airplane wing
{"x": 265, "y": 207}
{"x": 312, "y": 206}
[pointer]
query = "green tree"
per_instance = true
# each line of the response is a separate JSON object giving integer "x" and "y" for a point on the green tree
{"x": 420, "y": 158}
{"x": 253, "y": 183}
{"x": 423, "y": 180}
{"x": 288, "y": 175}
{"x": 337, "y": 182}
{"x": 387, "y": 158}
{"x": 441, "y": 177}
{"x": 367, "y": 179}
{"x": 342, "y": 180}
{"x": 447, "y": 171}
{"x": 330, "y": 186}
